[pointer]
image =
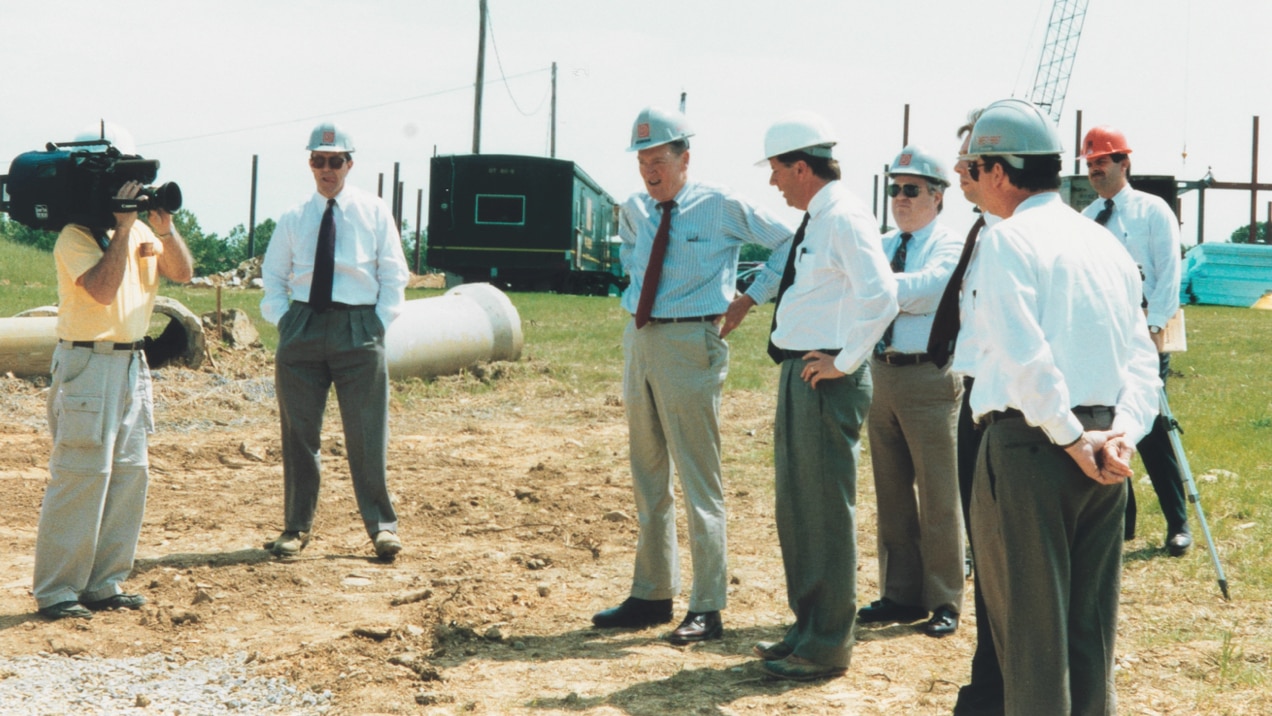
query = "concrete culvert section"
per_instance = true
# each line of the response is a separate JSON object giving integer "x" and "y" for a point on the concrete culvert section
{"x": 27, "y": 339}
{"x": 469, "y": 324}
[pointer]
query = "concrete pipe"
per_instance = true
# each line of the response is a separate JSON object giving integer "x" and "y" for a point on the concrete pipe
{"x": 27, "y": 340}
{"x": 445, "y": 334}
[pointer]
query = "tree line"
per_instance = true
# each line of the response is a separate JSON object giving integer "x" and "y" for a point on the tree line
{"x": 212, "y": 253}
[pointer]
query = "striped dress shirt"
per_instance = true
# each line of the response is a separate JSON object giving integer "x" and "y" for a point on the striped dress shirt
{"x": 709, "y": 226}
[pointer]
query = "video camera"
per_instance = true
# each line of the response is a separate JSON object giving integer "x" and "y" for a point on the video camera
{"x": 76, "y": 182}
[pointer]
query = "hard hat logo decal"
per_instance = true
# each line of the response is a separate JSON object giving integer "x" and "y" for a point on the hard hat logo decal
{"x": 329, "y": 137}
{"x": 990, "y": 140}
{"x": 904, "y": 160}
{"x": 642, "y": 131}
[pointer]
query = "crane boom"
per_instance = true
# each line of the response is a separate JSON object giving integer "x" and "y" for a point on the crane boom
{"x": 1058, "y": 52}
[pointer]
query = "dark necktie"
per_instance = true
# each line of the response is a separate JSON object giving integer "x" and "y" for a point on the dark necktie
{"x": 898, "y": 266}
{"x": 946, "y": 322}
{"x": 653, "y": 271}
{"x": 324, "y": 261}
{"x": 788, "y": 278}
{"x": 1102, "y": 218}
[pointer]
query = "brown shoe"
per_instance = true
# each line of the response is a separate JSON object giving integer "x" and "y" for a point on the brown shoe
{"x": 288, "y": 544}
{"x": 772, "y": 650}
{"x": 387, "y": 544}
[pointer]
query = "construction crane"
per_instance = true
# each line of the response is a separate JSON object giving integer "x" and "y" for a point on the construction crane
{"x": 1058, "y": 51}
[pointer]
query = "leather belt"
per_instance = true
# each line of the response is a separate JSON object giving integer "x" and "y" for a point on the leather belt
{"x": 687, "y": 319}
{"x": 903, "y": 358}
{"x": 799, "y": 355}
{"x": 337, "y": 306}
{"x": 134, "y": 346}
{"x": 994, "y": 416}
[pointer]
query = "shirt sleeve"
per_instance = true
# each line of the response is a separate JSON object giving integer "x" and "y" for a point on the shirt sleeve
{"x": 1139, "y": 402}
{"x": 391, "y": 272}
{"x": 919, "y": 292}
{"x": 276, "y": 270}
{"x": 873, "y": 299}
{"x": 752, "y": 224}
{"x": 1163, "y": 301}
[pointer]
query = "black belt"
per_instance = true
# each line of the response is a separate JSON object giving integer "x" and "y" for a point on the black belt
{"x": 994, "y": 416}
{"x": 799, "y": 355}
{"x": 687, "y": 319}
{"x": 336, "y": 306}
{"x": 903, "y": 358}
{"x": 134, "y": 346}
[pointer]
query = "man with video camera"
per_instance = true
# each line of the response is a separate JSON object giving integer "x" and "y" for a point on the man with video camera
{"x": 108, "y": 269}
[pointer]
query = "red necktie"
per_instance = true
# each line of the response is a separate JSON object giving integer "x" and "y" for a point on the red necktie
{"x": 653, "y": 271}
{"x": 324, "y": 261}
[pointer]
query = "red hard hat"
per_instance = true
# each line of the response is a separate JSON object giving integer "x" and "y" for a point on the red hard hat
{"x": 1102, "y": 141}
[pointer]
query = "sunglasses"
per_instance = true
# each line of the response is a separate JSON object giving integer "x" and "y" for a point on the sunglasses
{"x": 910, "y": 190}
{"x": 974, "y": 169}
{"x": 319, "y": 161}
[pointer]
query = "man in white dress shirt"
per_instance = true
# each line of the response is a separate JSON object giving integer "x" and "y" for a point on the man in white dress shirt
{"x": 836, "y": 298}
{"x": 334, "y": 278}
{"x": 1066, "y": 383}
{"x": 1147, "y": 227}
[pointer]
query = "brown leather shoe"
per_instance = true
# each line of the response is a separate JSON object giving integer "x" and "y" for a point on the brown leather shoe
{"x": 697, "y": 626}
{"x": 772, "y": 650}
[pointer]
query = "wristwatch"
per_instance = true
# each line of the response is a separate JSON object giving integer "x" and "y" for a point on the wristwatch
{"x": 1154, "y": 329}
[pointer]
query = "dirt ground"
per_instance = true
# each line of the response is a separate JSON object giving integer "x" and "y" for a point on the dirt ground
{"x": 517, "y": 515}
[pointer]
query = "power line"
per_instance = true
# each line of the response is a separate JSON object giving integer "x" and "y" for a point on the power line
{"x": 499, "y": 63}
{"x": 350, "y": 110}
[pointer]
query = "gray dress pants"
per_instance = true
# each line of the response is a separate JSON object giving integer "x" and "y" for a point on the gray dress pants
{"x": 817, "y": 433}
{"x": 315, "y": 351}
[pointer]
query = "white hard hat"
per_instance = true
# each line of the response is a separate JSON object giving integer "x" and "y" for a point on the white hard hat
{"x": 917, "y": 161}
{"x": 328, "y": 137}
{"x": 655, "y": 127}
{"x": 117, "y": 136}
{"x": 1013, "y": 127}
{"x": 801, "y": 131}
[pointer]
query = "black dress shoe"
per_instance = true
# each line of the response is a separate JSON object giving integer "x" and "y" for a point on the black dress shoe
{"x": 697, "y": 626}
{"x": 772, "y": 650}
{"x": 1178, "y": 543}
{"x": 886, "y": 610}
{"x": 943, "y": 623}
{"x": 634, "y": 614}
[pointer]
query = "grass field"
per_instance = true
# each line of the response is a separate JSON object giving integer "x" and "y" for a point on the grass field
{"x": 1220, "y": 390}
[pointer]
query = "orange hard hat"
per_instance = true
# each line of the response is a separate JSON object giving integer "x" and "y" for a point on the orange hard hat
{"x": 1102, "y": 141}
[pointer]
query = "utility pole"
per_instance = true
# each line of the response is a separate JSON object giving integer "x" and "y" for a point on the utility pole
{"x": 552, "y": 151}
{"x": 251, "y": 215}
{"x": 481, "y": 79}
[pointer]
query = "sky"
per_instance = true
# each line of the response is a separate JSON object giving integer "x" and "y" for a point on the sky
{"x": 204, "y": 87}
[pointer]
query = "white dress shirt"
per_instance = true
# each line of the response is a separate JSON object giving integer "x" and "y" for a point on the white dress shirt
{"x": 1054, "y": 308}
{"x": 1148, "y": 229}
{"x": 845, "y": 294}
{"x": 370, "y": 266}
{"x": 930, "y": 258}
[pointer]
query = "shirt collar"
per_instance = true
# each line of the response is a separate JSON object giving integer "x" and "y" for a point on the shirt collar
{"x": 821, "y": 200}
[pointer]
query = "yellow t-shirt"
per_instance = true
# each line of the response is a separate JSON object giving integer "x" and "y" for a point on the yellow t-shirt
{"x": 79, "y": 316}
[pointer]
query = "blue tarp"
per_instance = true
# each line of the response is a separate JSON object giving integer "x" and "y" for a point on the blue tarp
{"x": 1226, "y": 274}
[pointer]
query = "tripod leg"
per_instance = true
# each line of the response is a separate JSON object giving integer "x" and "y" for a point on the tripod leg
{"x": 1190, "y": 489}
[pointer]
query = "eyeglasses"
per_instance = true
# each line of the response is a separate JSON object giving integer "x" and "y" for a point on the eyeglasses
{"x": 321, "y": 161}
{"x": 974, "y": 169}
{"x": 910, "y": 190}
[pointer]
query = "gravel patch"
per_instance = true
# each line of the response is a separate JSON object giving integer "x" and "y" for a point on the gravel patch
{"x": 151, "y": 684}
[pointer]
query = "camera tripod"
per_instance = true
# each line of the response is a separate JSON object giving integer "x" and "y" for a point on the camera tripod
{"x": 1190, "y": 486}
